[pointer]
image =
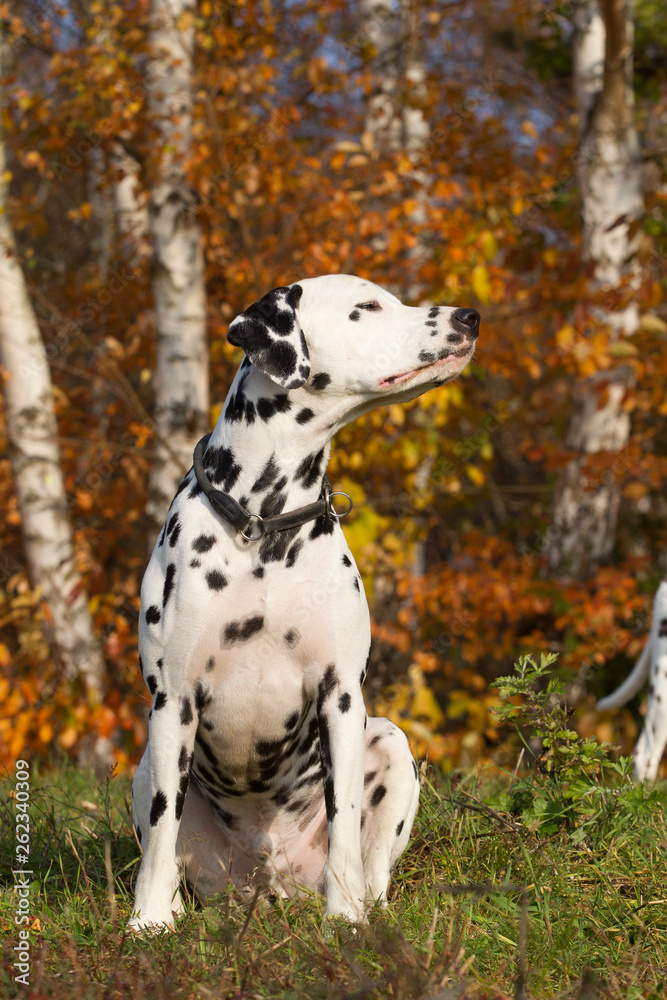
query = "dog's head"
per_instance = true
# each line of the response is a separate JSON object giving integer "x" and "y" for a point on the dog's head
{"x": 350, "y": 337}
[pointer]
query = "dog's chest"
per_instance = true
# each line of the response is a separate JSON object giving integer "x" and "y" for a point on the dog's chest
{"x": 269, "y": 748}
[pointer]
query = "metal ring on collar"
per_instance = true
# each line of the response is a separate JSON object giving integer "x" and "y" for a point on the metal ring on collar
{"x": 253, "y": 538}
{"x": 332, "y": 511}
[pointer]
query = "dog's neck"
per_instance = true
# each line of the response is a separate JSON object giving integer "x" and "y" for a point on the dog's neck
{"x": 270, "y": 447}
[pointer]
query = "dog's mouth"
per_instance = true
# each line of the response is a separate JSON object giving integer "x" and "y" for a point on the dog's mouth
{"x": 391, "y": 380}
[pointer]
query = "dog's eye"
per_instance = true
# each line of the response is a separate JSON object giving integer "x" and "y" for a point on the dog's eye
{"x": 371, "y": 306}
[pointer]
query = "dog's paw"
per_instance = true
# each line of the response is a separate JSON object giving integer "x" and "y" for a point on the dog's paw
{"x": 140, "y": 924}
{"x": 346, "y": 924}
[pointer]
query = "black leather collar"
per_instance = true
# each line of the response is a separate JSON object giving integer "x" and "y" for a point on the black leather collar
{"x": 246, "y": 523}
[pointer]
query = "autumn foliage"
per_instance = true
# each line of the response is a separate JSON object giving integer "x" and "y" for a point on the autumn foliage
{"x": 453, "y": 493}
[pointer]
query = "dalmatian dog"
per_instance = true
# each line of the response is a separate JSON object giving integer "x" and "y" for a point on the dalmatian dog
{"x": 651, "y": 663}
{"x": 262, "y": 767}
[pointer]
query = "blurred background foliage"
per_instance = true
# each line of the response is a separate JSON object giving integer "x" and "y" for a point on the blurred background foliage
{"x": 454, "y": 492}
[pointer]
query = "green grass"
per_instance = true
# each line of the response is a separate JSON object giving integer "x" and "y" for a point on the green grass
{"x": 481, "y": 897}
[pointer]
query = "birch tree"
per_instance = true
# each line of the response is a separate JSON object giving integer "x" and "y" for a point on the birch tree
{"x": 130, "y": 207}
{"x": 35, "y": 461}
{"x": 394, "y": 125}
{"x": 181, "y": 378}
{"x": 584, "y": 527}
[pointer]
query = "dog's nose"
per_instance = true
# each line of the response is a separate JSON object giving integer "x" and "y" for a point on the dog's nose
{"x": 466, "y": 321}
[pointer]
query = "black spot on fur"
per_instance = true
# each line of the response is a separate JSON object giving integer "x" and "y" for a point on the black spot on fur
{"x": 399, "y": 828}
{"x": 368, "y": 777}
{"x": 153, "y": 615}
{"x": 224, "y": 817}
{"x": 282, "y": 796}
{"x": 184, "y": 483}
{"x": 203, "y": 698}
{"x": 323, "y": 526}
{"x": 180, "y": 795}
{"x": 355, "y": 583}
{"x": 159, "y": 663}
{"x": 274, "y": 544}
{"x": 378, "y": 795}
{"x": 414, "y": 768}
{"x": 235, "y": 406}
{"x": 201, "y": 742}
{"x": 325, "y": 754}
{"x": 292, "y": 637}
{"x": 203, "y": 543}
{"x": 433, "y": 312}
{"x": 184, "y": 759}
{"x": 241, "y": 631}
{"x": 160, "y": 701}
{"x": 280, "y": 403}
{"x": 330, "y": 798}
{"x": 375, "y": 740}
{"x": 293, "y": 553}
{"x": 426, "y": 356}
{"x": 151, "y": 683}
{"x": 216, "y": 580}
{"x": 210, "y": 663}
{"x": 173, "y": 530}
{"x": 303, "y": 416}
{"x": 168, "y": 583}
{"x": 258, "y": 572}
{"x": 267, "y": 476}
{"x": 291, "y": 721}
{"x": 195, "y": 564}
{"x": 273, "y": 503}
{"x": 431, "y": 323}
{"x": 158, "y": 806}
{"x": 310, "y": 762}
{"x": 139, "y": 835}
{"x": 309, "y": 471}
{"x": 321, "y": 380}
{"x": 364, "y": 672}
{"x": 344, "y": 702}
{"x": 186, "y": 711}
{"x": 347, "y": 561}
{"x": 224, "y": 471}
{"x": 326, "y": 686}
{"x": 310, "y": 737}
{"x": 354, "y": 315}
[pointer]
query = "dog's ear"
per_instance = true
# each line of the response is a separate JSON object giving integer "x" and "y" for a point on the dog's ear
{"x": 270, "y": 334}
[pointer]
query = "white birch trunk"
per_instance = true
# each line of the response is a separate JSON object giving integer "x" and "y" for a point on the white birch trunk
{"x": 130, "y": 206}
{"x": 381, "y": 27}
{"x": 585, "y": 516}
{"x": 181, "y": 412}
{"x": 394, "y": 124}
{"x": 35, "y": 462}
{"x": 101, "y": 201}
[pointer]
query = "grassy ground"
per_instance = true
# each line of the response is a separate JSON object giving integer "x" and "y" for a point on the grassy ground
{"x": 486, "y": 903}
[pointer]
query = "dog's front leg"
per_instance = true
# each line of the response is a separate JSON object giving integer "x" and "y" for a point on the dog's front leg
{"x": 172, "y": 729}
{"x": 341, "y": 714}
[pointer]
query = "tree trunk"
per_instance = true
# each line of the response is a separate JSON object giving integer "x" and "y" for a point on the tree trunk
{"x": 181, "y": 412}
{"x": 398, "y": 69}
{"x": 584, "y": 527}
{"x": 130, "y": 208}
{"x": 35, "y": 462}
